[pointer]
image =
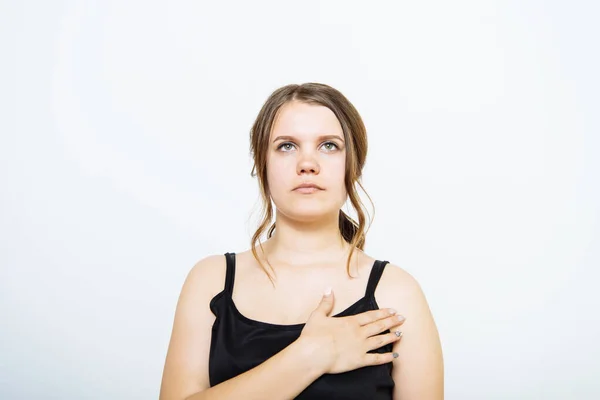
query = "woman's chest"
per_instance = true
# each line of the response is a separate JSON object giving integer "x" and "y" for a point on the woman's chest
{"x": 239, "y": 344}
{"x": 292, "y": 300}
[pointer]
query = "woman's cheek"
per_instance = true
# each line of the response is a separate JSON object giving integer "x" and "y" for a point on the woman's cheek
{"x": 276, "y": 177}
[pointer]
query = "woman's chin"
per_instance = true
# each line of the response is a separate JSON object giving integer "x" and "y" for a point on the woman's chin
{"x": 310, "y": 214}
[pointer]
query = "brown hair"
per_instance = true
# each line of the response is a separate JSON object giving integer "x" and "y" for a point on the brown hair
{"x": 355, "y": 137}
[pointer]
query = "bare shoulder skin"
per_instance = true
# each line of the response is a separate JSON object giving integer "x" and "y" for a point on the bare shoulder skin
{"x": 418, "y": 372}
{"x": 186, "y": 364}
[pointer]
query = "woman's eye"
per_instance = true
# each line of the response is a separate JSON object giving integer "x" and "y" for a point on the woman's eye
{"x": 286, "y": 146}
{"x": 330, "y": 146}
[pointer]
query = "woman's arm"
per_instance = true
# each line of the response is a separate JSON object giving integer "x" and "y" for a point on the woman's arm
{"x": 282, "y": 376}
{"x": 418, "y": 372}
{"x": 185, "y": 375}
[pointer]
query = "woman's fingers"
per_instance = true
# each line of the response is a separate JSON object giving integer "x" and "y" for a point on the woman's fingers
{"x": 368, "y": 317}
{"x": 346, "y": 341}
{"x": 379, "y": 358}
{"x": 382, "y": 325}
{"x": 377, "y": 341}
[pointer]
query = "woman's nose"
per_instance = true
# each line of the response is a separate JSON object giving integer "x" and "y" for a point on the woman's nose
{"x": 307, "y": 165}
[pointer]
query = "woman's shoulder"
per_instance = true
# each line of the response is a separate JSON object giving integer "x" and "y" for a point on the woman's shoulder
{"x": 399, "y": 289}
{"x": 207, "y": 275}
{"x": 395, "y": 283}
{"x": 393, "y": 274}
{"x": 211, "y": 265}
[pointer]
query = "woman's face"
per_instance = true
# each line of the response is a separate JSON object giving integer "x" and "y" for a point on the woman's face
{"x": 306, "y": 146}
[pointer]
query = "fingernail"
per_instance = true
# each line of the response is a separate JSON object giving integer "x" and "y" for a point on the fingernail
{"x": 401, "y": 318}
{"x": 327, "y": 291}
{"x": 392, "y": 311}
{"x": 395, "y": 355}
{"x": 398, "y": 333}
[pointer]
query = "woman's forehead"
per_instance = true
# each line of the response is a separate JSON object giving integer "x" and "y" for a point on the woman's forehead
{"x": 305, "y": 121}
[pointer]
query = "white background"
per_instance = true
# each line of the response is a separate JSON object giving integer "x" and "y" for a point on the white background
{"x": 124, "y": 159}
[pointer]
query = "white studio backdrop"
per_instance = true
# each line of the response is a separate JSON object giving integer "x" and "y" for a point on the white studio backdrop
{"x": 124, "y": 159}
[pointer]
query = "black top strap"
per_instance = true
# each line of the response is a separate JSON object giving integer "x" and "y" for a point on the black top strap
{"x": 230, "y": 275}
{"x": 376, "y": 273}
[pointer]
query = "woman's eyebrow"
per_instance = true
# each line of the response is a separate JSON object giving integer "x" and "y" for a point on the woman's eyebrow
{"x": 320, "y": 138}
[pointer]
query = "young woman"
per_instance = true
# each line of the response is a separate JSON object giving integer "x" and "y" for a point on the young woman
{"x": 298, "y": 316}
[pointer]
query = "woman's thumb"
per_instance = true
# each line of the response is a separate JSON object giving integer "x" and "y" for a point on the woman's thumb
{"x": 326, "y": 305}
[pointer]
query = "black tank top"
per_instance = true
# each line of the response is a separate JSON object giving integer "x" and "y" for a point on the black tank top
{"x": 239, "y": 344}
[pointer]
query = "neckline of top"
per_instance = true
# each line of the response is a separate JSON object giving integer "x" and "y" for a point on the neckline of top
{"x": 369, "y": 295}
{"x": 263, "y": 324}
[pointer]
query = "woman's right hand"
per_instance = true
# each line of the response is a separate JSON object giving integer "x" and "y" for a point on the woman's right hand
{"x": 340, "y": 344}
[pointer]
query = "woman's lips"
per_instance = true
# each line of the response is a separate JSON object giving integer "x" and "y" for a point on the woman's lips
{"x": 307, "y": 190}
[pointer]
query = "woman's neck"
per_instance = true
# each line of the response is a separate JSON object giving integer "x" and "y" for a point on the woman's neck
{"x": 304, "y": 243}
